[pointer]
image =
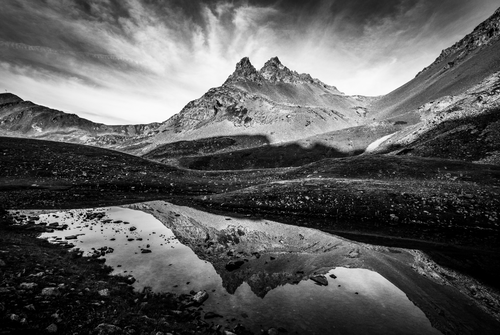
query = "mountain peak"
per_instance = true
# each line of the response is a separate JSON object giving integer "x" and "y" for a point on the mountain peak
{"x": 244, "y": 71}
{"x": 274, "y": 61}
{"x": 244, "y": 63}
{"x": 274, "y": 71}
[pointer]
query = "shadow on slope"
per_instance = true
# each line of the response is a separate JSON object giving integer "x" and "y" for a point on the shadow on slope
{"x": 255, "y": 151}
{"x": 206, "y": 146}
{"x": 265, "y": 157}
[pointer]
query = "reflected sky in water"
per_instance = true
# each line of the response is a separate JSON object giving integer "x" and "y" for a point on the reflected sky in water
{"x": 355, "y": 301}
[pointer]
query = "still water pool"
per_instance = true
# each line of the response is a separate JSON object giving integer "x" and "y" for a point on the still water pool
{"x": 179, "y": 249}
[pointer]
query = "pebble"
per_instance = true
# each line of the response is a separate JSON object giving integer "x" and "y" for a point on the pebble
{"x": 50, "y": 291}
{"x": 104, "y": 292}
{"x": 28, "y": 286}
{"x": 51, "y": 329}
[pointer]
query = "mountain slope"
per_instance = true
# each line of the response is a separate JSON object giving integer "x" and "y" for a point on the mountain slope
{"x": 19, "y": 118}
{"x": 458, "y": 68}
{"x": 464, "y": 126}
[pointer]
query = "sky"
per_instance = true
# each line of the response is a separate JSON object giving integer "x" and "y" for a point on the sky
{"x": 142, "y": 61}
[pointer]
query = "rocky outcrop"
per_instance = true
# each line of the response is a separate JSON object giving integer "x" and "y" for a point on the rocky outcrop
{"x": 244, "y": 71}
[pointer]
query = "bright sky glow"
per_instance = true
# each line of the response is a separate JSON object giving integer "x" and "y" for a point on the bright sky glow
{"x": 141, "y": 61}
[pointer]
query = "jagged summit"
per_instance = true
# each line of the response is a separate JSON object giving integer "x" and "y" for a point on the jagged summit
{"x": 273, "y": 72}
{"x": 244, "y": 71}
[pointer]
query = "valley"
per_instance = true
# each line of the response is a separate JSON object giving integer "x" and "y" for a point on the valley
{"x": 411, "y": 178}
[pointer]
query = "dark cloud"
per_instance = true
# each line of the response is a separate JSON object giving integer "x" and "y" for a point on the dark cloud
{"x": 161, "y": 45}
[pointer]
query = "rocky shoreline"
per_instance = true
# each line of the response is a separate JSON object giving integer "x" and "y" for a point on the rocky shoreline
{"x": 47, "y": 288}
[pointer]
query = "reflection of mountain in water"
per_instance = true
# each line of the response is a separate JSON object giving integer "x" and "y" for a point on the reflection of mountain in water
{"x": 273, "y": 254}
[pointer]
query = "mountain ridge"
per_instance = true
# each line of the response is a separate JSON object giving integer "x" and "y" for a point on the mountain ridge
{"x": 277, "y": 105}
{"x": 20, "y": 118}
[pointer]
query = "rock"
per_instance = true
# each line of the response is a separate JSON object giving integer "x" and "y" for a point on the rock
{"x": 200, "y": 297}
{"x": 104, "y": 292}
{"x": 234, "y": 264}
{"x": 272, "y": 331}
{"x": 30, "y": 307}
{"x": 71, "y": 237}
{"x": 146, "y": 251}
{"x": 51, "y": 329}
{"x": 353, "y": 254}
{"x": 227, "y": 332}
{"x": 212, "y": 315}
{"x": 105, "y": 329}
{"x": 28, "y": 286}
{"x": 132, "y": 228}
{"x": 50, "y": 291}
{"x": 14, "y": 317}
{"x": 333, "y": 276}
{"x": 394, "y": 217}
{"x": 130, "y": 280}
{"x": 2, "y": 263}
{"x": 256, "y": 254}
{"x": 320, "y": 280}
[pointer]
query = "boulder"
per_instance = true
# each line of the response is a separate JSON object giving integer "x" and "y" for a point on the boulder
{"x": 200, "y": 297}
{"x": 107, "y": 329}
{"x": 130, "y": 280}
{"x": 212, "y": 315}
{"x": 234, "y": 264}
{"x": 320, "y": 280}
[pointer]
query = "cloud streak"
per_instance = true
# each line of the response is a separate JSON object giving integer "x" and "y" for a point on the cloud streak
{"x": 138, "y": 61}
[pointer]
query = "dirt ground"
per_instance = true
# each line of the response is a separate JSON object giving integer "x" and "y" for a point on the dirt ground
{"x": 448, "y": 209}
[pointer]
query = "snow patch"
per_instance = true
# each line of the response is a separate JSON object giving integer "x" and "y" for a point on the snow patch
{"x": 375, "y": 144}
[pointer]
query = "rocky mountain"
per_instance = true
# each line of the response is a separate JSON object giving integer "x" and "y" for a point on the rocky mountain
{"x": 277, "y": 117}
{"x": 19, "y": 118}
{"x": 274, "y": 101}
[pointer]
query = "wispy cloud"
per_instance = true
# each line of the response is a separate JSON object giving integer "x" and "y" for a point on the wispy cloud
{"x": 138, "y": 61}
